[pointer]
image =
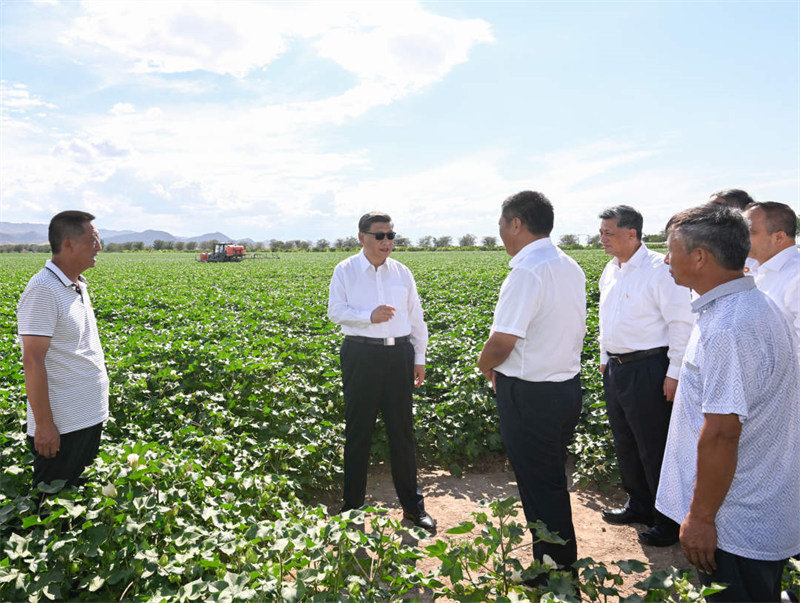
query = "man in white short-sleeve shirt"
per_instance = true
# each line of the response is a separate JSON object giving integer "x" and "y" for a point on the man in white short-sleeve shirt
{"x": 65, "y": 373}
{"x": 533, "y": 359}
{"x": 773, "y": 243}
{"x": 730, "y": 472}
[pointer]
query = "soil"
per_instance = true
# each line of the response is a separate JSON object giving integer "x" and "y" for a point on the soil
{"x": 451, "y": 500}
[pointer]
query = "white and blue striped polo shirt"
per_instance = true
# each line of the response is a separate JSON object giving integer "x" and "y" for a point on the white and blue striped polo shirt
{"x": 55, "y": 307}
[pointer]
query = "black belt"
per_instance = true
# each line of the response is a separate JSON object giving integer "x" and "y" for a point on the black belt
{"x": 377, "y": 340}
{"x": 639, "y": 355}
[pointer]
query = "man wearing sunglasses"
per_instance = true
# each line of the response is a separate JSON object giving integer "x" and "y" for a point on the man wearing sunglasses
{"x": 374, "y": 299}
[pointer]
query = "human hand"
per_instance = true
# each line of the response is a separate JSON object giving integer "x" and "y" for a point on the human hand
{"x": 602, "y": 369}
{"x": 382, "y": 314}
{"x": 47, "y": 440}
{"x": 699, "y": 542}
{"x": 670, "y": 387}
{"x": 419, "y": 374}
{"x": 491, "y": 375}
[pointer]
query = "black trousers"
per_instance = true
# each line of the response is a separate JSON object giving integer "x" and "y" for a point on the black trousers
{"x": 379, "y": 378}
{"x": 639, "y": 416}
{"x": 77, "y": 451}
{"x": 537, "y": 421}
{"x": 747, "y": 579}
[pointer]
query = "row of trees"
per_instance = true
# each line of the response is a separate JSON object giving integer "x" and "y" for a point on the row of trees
{"x": 571, "y": 241}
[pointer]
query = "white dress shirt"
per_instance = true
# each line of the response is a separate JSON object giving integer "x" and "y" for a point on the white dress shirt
{"x": 543, "y": 302}
{"x": 779, "y": 278}
{"x": 739, "y": 361}
{"x": 642, "y": 308}
{"x": 357, "y": 288}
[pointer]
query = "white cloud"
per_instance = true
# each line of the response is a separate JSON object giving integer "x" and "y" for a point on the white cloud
{"x": 122, "y": 109}
{"x": 16, "y": 98}
{"x": 398, "y": 45}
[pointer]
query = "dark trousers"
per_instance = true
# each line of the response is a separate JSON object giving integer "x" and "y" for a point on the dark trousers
{"x": 747, "y": 579}
{"x": 537, "y": 421}
{"x": 377, "y": 378}
{"x": 639, "y": 416}
{"x": 78, "y": 450}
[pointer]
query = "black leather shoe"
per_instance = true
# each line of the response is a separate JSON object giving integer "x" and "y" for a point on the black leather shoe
{"x": 659, "y": 535}
{"x": 421, "y": 520}
{"x": 625, "y": 516}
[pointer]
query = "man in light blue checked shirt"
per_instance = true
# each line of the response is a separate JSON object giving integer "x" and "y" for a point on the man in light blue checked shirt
{"x": 730, "y": 472}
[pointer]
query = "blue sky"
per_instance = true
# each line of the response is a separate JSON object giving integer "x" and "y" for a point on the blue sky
{"x": 289, "y": 120}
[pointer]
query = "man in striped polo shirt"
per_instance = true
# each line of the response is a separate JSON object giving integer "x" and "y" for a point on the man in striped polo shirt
{"x": 65, "y": 372}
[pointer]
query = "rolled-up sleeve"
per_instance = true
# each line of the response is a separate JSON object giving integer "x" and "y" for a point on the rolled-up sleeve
{"x": 675, "y": 305}
{"x": 419, "y": 330}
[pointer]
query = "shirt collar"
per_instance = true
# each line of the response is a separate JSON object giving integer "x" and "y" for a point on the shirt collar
{"x": 776, "y": 262}
{"x": 737, "y": 285}
{"x": 61, "y": 276}
{"x": 636, "y": 259}
{"x": 364, "y": 264}
{"x": 530, "y": 248}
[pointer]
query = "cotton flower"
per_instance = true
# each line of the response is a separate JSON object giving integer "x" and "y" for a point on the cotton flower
{"x": 133, "y": 460}
{"x": 109, "y": 490}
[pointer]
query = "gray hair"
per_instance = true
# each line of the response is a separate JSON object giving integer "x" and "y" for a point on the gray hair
{"x": 720, "y": 230}
{"x": 626, "y": 217}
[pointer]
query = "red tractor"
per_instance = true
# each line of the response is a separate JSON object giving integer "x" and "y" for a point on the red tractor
{"x": 224, "y": 252}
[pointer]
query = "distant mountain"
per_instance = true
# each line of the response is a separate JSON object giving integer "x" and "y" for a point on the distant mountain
{"x": 12, "y": 233}
{"x": 222, "y": 238}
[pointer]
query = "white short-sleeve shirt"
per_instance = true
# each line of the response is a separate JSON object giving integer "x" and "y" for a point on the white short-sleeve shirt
{"x": 55, "y": 307}
{"x": 542, "y": 302}
{"x": 740, "y": 360}
{"x": 779, "y": 278}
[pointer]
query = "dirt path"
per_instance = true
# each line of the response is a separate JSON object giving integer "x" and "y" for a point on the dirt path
{"x": 451, "y": 500}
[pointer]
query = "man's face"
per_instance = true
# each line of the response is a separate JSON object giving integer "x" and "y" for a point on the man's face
{"x": 87, "y": 246}
{"x": 619, "y": 242}
{"x": 762, "y": 243}
{"x": 679, "y": 262}
{"x": 375, "y": 250}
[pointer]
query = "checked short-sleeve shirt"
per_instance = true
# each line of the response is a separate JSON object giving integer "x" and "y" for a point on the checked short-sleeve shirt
{"x": 740, "y": 360}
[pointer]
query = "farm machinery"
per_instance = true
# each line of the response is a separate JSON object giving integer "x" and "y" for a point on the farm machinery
{"x": 224, "y": 252}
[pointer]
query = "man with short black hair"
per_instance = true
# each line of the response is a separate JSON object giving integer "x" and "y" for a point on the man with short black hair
{"x": 645, "y": 320}
{"x": 374, "y": 299}
{"x": 65, "y": 373}
{"x": 773, "y": 232}
{"x": 533, "y": 359}
{"x": 730, "y": 473}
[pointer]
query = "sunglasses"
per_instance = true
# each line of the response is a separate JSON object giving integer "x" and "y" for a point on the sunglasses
{"x": 379, "y": 236}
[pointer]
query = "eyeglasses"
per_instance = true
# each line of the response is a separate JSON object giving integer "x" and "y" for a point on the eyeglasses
{"x": 379, "y": 236}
